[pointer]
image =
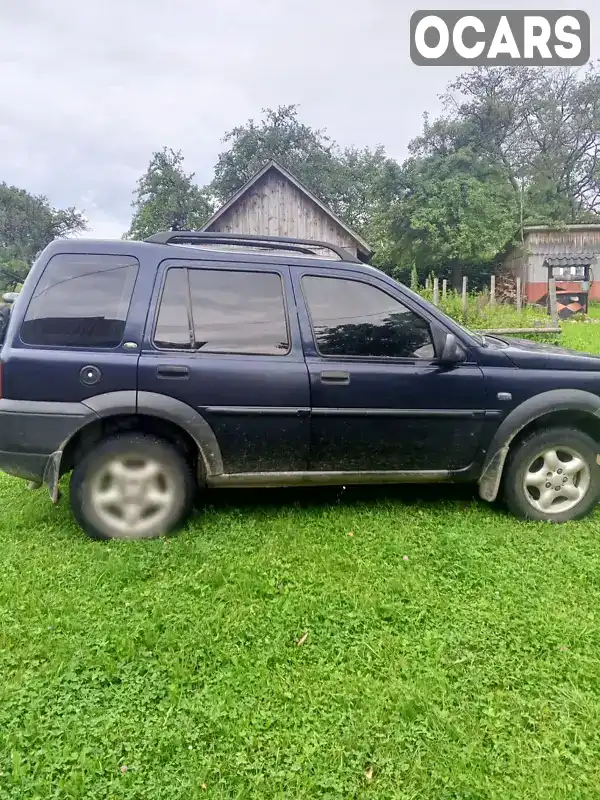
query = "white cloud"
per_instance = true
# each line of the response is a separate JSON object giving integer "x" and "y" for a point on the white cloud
{"x": 90, "y": 89}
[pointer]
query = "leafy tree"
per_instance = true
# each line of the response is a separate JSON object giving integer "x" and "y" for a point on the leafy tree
{"x": 346, "y": 180}
{"x": 27, "y": 224}
{"x": 453, "y": 215}
{"x": 539, "y": 126}
{"x": 166, "y": 198}
{"x": 306, "y": 152}
{"x": 515, "y": 146}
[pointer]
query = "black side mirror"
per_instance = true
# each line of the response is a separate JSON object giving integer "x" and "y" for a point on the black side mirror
{"x": 452, "y": 351}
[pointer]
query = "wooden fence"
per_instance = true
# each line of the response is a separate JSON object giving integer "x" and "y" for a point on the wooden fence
{"x": 552, "y": 305}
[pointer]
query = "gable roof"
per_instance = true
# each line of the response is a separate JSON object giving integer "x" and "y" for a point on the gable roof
{"x": 362, "y": 246}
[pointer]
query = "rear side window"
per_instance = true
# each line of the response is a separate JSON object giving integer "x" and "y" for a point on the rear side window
{"x": 81, "y": 301}
{"x": 223, "y": 311}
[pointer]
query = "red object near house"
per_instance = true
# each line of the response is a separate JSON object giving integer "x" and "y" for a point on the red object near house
{"x": 570, "y": 255}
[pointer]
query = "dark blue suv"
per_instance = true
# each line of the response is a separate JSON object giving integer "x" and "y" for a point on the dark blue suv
{"x": 149, "y": 368}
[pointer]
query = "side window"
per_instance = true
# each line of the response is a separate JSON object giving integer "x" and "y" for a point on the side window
{"x": 173, "y": 326}
{"x": 81, "y": 301}
{"x": 351, "y": 318}
{"x": 232, "y": 311}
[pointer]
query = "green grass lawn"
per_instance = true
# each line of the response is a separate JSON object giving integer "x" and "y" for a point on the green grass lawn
{"x": 594, "y": 310}
{"x": 452, "y": 652}
{"x": 581, "y": 336}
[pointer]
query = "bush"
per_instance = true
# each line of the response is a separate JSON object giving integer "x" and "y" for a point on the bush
{"x": 480, "y": 315}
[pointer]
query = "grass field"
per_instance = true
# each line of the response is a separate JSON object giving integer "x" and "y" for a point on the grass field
{"x": 447, "y": 651}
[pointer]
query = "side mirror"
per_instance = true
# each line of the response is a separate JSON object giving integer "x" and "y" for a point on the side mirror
{"x": 452, "y": 352}
{"x": 10, "y": 297}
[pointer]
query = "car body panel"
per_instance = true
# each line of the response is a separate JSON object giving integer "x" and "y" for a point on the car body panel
{"x": 272, "y": 420}
{"x": 395, "y": 414}
{"x": 257, "y": 405}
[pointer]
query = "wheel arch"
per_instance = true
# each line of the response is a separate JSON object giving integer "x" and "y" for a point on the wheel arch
{"x": 574, "y": 407}
{"x": 156, "y": 413}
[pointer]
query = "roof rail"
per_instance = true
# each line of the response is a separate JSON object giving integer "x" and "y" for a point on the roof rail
{"x": 305, "y": 246}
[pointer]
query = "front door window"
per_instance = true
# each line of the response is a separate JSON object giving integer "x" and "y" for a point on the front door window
{"x": 354, "y": 319}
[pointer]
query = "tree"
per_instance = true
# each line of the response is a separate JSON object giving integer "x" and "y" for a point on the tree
{"x": 346, "y": 180}
{"x": 453, "y": 214}
{"x": 167, "y": 198}
{"x": 308, "y": 153}
{"x": 539, "y": 126}
{"x": 27, "y": 224}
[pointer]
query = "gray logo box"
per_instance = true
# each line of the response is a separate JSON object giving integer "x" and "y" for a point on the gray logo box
{"x": 490, "y": 20}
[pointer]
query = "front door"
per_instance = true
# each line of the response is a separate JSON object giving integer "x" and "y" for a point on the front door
{"x": 221, "y": 339}
{"x": 380, "y": 400}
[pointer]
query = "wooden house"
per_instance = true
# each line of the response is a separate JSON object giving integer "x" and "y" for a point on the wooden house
{"x": 569, "y": 254}
{"x": 275, "y": 203}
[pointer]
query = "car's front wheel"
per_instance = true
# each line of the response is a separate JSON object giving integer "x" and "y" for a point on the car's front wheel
{"x": 131, "y": 486}
{"x": 553, "y": 476}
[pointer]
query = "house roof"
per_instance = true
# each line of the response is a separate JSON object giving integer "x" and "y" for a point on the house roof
{"x": 578, "y": 226}
{"x": 577, "y": 259}
{"x": 362, "y": 246}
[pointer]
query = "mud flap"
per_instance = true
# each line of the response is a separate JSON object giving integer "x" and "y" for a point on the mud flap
{"x": 52, "y": 475}
{"x": 489, "y": 482}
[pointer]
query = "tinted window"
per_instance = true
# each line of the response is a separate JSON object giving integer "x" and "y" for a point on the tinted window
{"x": 81, "y": 301}
{"x": 350, "y": 318}
{"x": 173, "y": 326}
{"x": 233, "y": 312}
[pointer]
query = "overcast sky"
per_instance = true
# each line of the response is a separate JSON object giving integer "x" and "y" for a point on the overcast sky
{"x": 90, "y": 88}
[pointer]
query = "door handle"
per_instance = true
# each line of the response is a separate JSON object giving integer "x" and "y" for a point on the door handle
{"x": 172, "y": 371}
{"x": 335, "y": 376}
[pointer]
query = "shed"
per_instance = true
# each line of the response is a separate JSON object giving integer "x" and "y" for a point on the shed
{"x": 565, "y": 252}
{"x": 275, "y": 203}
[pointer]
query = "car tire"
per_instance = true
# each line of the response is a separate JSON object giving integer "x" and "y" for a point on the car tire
{"x": 553, "y": 476}
{"x": 132, "y": 486}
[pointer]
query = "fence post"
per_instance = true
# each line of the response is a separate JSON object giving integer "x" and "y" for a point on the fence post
{"x": 464, "y": 296}
{"x": 427, "y": 283}
{"x": 444, "y": 288}
{"x": 492, "y": 290}
{"x": 552, "y": 299}
{"x": 436, "y": 291}
{"x": 519, "y": 299}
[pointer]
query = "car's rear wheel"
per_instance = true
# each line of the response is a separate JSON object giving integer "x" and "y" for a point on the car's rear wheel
{"x": 553, "y": 476}
{"x": 131, "y": 486}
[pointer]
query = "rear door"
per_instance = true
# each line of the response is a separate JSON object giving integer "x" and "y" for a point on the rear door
{"x": 380, "y": 400}
{"x": 72, "y": 342}
{"x": 224, "y": 339}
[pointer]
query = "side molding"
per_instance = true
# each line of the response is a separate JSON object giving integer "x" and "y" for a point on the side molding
{"x": 530, "y": 410}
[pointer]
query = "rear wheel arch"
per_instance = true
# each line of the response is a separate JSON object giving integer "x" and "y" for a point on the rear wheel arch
{"x": 559, "y": 407}
{"x": 156, "y": 414}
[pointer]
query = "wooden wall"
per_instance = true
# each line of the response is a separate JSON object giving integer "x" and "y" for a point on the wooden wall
{"x": 528, "y": 259}
{"x": 275, "y": 207}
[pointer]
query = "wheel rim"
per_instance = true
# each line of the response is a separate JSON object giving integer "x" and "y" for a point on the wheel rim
{"x": 132, "y": 496}
{"x": 556, "y": 480}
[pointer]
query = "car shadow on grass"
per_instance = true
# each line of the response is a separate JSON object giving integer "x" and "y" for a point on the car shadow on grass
{"x": 430, "y": 496}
